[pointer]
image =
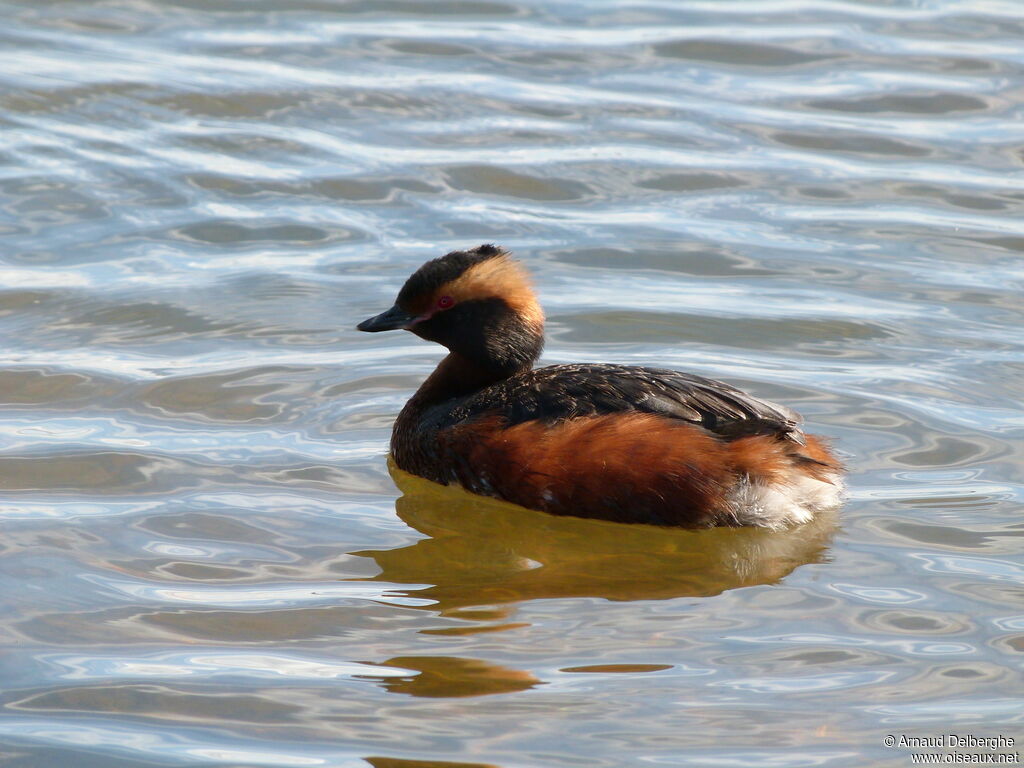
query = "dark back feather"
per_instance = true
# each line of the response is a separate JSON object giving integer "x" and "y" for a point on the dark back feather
{"x": 560, "y": 392}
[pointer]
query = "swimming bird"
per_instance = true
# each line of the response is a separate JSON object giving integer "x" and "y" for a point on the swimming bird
{"x": 623, "y": 443}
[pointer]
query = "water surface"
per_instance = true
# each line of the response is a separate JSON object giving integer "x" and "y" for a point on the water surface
{"x": 205, "y": 560}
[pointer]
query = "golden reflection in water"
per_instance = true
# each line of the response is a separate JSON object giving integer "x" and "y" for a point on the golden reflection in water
{"x": 395, "y": 762}
{"x": 454, "y": 677}
{"x": 482, "y": 555}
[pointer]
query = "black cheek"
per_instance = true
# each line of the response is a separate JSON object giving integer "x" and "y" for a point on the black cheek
{"x": 438, "y": 328}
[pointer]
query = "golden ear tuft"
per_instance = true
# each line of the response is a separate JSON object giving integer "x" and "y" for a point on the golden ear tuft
{"x": 501, "y": 277}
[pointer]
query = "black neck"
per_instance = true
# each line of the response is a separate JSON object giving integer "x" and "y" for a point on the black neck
{"x": 458, "y": 376}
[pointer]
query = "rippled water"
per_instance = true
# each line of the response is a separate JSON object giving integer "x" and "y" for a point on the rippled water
{"x": 204, "y": 560}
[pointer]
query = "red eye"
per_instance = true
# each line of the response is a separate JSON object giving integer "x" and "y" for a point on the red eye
{"x": 445, "y": 302}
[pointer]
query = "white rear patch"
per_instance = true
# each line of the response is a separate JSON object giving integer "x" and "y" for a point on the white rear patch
{"x": 783, "y": 504}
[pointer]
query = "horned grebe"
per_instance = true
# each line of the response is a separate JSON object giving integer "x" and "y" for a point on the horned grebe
{"x": 613, "y": 442}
